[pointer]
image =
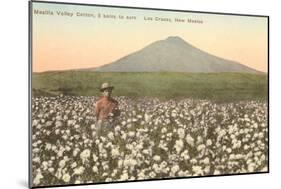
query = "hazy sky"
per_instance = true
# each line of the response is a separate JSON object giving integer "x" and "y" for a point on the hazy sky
{"x": 64, "y": 42}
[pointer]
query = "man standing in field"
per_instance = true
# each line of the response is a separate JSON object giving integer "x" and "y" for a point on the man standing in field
{"x": 106, "y": 109}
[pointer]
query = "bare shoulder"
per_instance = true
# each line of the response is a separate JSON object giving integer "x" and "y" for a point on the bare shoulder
{"x": 99, "y": 101}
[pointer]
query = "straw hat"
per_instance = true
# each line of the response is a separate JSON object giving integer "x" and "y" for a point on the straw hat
{"x": 106, "y": 86}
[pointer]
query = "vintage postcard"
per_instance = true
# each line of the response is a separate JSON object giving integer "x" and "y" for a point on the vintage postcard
{"x": 131, "y": 94}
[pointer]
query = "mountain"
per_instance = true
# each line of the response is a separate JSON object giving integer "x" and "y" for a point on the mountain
{"x": 173, "y": 55}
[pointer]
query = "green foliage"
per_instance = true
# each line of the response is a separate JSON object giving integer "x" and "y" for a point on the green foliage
{"x": 164, "y": 85}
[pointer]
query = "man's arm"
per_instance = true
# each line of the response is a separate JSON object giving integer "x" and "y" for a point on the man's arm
{"x": 97, "y": 111}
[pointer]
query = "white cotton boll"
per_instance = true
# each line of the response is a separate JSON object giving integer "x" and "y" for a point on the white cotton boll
{"x": 59, "y": 173}
{"x": 108, "y": 180}
{"x": 197, "y": 170}
{"x": 251, "y": 167}
{"x": 69, "y": 122}
{"x": 209, "y": 142}
{"x": 232, "y": 156}
{"x": 239, "y": 156}
{"x": 201, "y": 147}
{"x": 164, "y": 130}
{"x": 51, "y": 169}
{"x": 129, "y": 125}
{"x": 129, "y": 146}
{"x": 35, "y": 122}
{"x": 115, "y": 152}
{"x": 199, "y": 140}
{"x": 156, "y": 158}
{"x": 174, "y": 113}
{"x": 152, "y": 174}
{"x": 95, "y": 169}
{"x": 124, "y": 177}
{"x": 130, "y": 162}
{"x": 179, "y": 145}
{"x": 65, "y": 137}
{"x": 39, "y": 126}
{"x": 117, "y": 128}
{"x": 57, "y": 131}
{"x": 66, "y": 177}
{"x": 50, "y": 163}
{"x": 141, "y": 175}
{"x": 217, "y": 172}
{"x": 120, "y": 163}
{"x": 193, "y": 161}
{"x": 229, "y": 150}
{"x": 232, "y": 136}
{"x": 181, "y": 133}
{"x": 95, "y": 158}
{"x": 167, "y": 121}
{"x": 139, "y": 146}
{"x": 181, "y": 173}
{"x": 77, "y": 182}
{"x": 207, "y": 169}
{"x": 262, "y": 158}
{"x": 124, "y": 136}
{"x": 255, "y": 125}
{"x": 60, "y": 152}
{"x": 62, "y": 163}
{"x": 48, "y": 146}
{"x": 38, "y": 178}
{"x": 104, "y": 155}
{"x": 78, "y": 171}
{"x": 206, "y": 161}
{"x": 131, "y": 134}
{"x": 97, "y": 141}
{"x": 67, "y": 131}
{"x": 73, "y": 165}
{"x": 189, "y": 140}
{"x": 108, "y": 145}
{"x": 75, "y": 152}
{"x": 145, "y": 151}
{"x": 114, "y": 172}
{"x": 36, "y": 159}
{"x": 186, "y": 157}
{"x": 94, "y": 134}
{"x": 67, "y": 148}
{"x": 85, "y": 155}
{"x": 93, "y": 126}
{"x": 169, "y": 135}
{"x": 147, "y": 118}
{"x": 156, "y": 168}
{"x": 105, "y": 167}
{"x": 163, "y": 164}
{"x": 175, "y": 169}
{"x": 264, "y": 169}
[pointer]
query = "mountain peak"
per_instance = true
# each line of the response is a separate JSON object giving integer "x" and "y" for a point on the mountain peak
{"x": 175, "y": 38}
{"x": 173, "y": 54}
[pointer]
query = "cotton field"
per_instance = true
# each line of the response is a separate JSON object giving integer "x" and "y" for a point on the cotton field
{"x": 151, "y": 139}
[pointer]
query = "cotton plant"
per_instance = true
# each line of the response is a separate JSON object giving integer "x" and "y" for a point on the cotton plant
{"x": 150, "y": 139}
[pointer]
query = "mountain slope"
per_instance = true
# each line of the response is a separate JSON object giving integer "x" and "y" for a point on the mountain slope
{"x": 173, "y": 55}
